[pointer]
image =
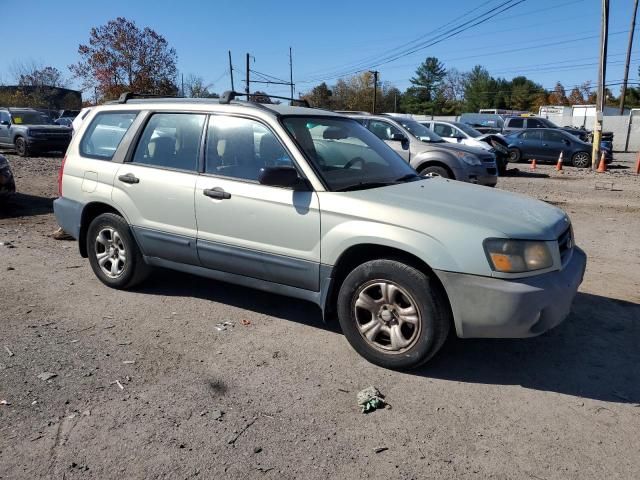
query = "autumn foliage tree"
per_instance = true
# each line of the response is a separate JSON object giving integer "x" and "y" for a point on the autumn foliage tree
{"x": 121, "y": 57}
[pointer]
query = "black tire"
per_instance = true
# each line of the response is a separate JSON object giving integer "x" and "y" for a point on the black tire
{"x": 433, "y": 315}
{"x": 581, "y": 159}
{"x": 436, "y": 171}
{"x": 502, "y": 166}
{"x": 21, "y": 146}
{"x": 134, "y": 270}
{"x": 515, "y": 155}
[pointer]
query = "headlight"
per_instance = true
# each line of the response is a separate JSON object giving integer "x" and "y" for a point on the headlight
{"x": 516, "y": 256}
{"x": 468, "y": 158}
{"x": 4, "y": 163}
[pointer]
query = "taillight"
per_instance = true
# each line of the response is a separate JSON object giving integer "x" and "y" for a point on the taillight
{"x": 60, "y": 172}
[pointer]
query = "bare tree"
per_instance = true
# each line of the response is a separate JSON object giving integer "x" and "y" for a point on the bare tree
{"x": 195, "y": 87}
{"x": 33, "y": 74}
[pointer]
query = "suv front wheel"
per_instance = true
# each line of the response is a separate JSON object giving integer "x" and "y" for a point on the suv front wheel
{"x": 21, "y": 147}
{"x": 113, "y": 253}
{"x": 392, "y": 314}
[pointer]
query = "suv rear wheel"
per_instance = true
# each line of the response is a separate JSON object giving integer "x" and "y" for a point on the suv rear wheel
{"x": 392, "y": 314}
{"x": 113, "y": 253}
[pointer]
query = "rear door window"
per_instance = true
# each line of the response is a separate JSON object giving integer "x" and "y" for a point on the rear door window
{"x": 171, "y": 140}
{"x": 102, "y": 138}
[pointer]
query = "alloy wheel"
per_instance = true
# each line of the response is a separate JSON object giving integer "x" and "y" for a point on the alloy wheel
{"x": 110, "y": 252}
{"x": 387, "y": 317}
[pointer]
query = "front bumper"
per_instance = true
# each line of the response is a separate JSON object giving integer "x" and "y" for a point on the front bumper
{"x": 485, "y": 174}
{"x": 48, "y": 144}
{"x": 497, "y": 308}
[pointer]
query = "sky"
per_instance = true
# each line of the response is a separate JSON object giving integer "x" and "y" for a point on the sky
{"x": 545, "y": 40}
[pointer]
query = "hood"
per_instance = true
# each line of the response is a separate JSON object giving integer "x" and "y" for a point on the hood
{"x": 460, "y": 207}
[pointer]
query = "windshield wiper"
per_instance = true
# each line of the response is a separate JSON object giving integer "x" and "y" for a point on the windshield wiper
{"x": 408, "y": 176}
{"x": 364, "y": 186}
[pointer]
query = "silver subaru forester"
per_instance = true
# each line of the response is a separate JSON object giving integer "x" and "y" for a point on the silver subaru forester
{"x": 310, "y": 204}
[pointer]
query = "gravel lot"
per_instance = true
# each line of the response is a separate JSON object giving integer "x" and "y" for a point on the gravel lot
{"x": 147, "y": 387}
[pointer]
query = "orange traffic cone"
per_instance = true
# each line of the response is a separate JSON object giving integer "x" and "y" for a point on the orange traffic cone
{"x": 638, "y": 165}
{"x": 602, "y": 166}
{"x": 533, "y": 164}
{"x": 559, "y": 164}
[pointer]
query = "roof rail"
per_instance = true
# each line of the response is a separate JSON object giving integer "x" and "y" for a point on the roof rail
{"x": 125, "y": 96}
{"x": 230, "y": 95}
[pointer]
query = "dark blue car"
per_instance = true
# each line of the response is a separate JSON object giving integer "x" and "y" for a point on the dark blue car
{"x": 545, "y": 145}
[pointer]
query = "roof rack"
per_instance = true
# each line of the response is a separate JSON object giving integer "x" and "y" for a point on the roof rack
{"x": 124, "y": 97}
{"x": 230, "y": 95}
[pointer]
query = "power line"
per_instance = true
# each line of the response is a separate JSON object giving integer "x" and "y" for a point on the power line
{"x": 477, "y": 20}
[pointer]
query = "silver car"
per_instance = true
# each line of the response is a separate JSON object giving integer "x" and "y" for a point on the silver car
{"x": 310, "y": 204}
{"x": 428, "y": 153}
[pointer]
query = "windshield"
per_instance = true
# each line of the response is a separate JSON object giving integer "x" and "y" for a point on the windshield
{"x": 347, "y": 155}
{"x": 469, "y": 130}
{"x": 30, "y": 118}
{"x": 419, "y": 131}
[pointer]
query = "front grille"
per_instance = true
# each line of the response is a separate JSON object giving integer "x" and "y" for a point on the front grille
{"x": 565, "y": 244}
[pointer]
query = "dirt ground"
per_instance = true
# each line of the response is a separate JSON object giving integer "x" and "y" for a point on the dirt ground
{"x": 147, "y": 387}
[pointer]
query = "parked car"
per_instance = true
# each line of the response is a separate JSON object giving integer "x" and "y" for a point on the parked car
{"x": 483, "y": 122}
{"x": 428, "y": 153}
{"x": 461, "y": 133}
{"x": 516, "y": 124}
{"x": 7, "y": 182}
{"x": 64, "y": 121}
{"x": 29, "y": 131}
{"x": 545, "y": 144}
{"x": 310, "y": 204}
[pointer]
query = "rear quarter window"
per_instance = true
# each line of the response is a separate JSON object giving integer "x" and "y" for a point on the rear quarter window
{"x": 102, "y": 138}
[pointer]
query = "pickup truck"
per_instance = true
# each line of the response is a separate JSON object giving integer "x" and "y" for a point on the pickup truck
{"x": 29, "y": 131}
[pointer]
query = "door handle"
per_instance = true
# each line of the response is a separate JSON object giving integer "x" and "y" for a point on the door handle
{"x": 545, "y": 144}
{"x": 217, "y": 193}
{"x": 129, "y": 178}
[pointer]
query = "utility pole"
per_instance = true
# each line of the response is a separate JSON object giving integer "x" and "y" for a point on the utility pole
{"x": 247, "y": 91}
{"x": 375, "y": 89}
{"x": 626, "y": 65}
{"x": 182, "y": 85}
{"x": 602, "y": 75}
{"x": 291, "y": 73}
{"x": 231, "y": 71}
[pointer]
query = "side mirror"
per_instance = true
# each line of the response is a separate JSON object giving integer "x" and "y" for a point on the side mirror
{"x": 5, "y": 122}
{"x": 279, "y": 177}
{"x": 397, "y": 137}
{"x": 566, "y": 142}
